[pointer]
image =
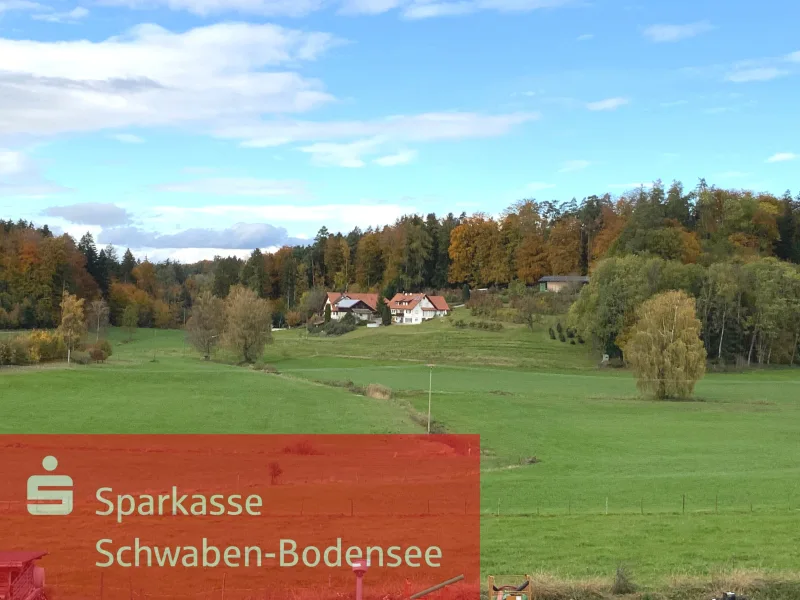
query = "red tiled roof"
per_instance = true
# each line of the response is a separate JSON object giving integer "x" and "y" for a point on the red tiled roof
{"x": 17, "y": 559}
{"x": 439, "y": 302}
{"x": 370, "y": 300}
{"x": 412, "y": 299}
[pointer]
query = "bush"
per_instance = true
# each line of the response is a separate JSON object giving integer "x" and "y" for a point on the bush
{"x": 622, "y": 582}
{"x": 570, "y": 332}
{"x": 82, "y": 358}
{"x": 581, "y": 340}
{"x": 293, "y": 318}
{"x": 572, "y": 342}
{"x": 561, "y": 336}
{"x": 47, "y": 346}
{"x": 552, "y": 333}
{"x": 348, "y": 319}
{"x": 97, "y": 355}
{"x": 559, "y": 328}
{"x": 379, "y": 392}
{"x": 16, "y": 351}
{"x": 460, "y": 324}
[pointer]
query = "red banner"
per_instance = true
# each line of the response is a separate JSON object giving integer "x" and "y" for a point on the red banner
{"x": 238, "y": 516}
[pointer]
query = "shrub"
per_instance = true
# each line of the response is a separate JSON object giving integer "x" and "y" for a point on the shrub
{"x": 379, "y": 392}
{"x": 293, "y": 318}
{"x": 622, "y": 582}
{"x": 105, "y": 346}
{"x": 572, "y": 342}
{"x": 460, "y": 324}
{"x": 80, "y": 357}
{"x": 47, "y": 346}
{"x": 97, "y": 355}
{"x": 581, "y": 340}
{"x": 472, "y": 324}
{"x": 559, "y": 328}
{"x": 348, "y": 319}
{"x": 561, "y": 336}
{"x": 16, "y": 351}
{"x": 552, "y": 333}
{"x": 570, "y": 332}
{"x": 303, "y": 448}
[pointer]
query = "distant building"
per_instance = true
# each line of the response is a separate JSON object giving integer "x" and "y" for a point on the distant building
{"x": 556, "y": 283}
{"x": 412, "y": 309}
{"x": 363, "y": 307}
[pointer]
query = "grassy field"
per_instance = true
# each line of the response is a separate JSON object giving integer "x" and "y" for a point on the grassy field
{"x": 666, "y": 488}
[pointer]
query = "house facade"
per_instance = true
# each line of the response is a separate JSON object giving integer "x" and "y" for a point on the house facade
{"x": 412, "y": 309}
{"x": 556, "y": 283}
{"x": 364, "y": 307}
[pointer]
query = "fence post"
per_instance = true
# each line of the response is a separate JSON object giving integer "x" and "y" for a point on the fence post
{"x": 606, "y": 504}
{"x": 642, "y": 506}
{"x": 498, "y": 507}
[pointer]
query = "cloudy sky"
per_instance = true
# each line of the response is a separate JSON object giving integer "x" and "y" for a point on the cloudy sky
{"x": 187, "y": 128}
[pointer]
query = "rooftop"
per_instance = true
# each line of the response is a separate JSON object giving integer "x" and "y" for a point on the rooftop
{"x": 565, "y": 279}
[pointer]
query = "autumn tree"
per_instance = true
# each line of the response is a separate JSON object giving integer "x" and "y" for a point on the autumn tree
{"x": 248, "y": 324}
{"x": 73, "y": 324}
{"x": 564, "y": 247}
{"x": 97, "y": 315}
{"x": 664, "y": 348}
{"x": 205, "y": 325}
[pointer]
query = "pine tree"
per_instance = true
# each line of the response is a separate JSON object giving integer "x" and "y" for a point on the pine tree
{"x": 127, "y": 266}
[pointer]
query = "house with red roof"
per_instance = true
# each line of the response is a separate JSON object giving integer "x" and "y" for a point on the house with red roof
{"x": 412, "y": 309}
{"x": 363, "y": 307}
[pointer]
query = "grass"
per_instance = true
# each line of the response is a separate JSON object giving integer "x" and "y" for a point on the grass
{"x": 666, "y": 488}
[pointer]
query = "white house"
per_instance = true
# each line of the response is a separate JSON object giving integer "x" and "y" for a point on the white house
{"x": 416, "y": 308}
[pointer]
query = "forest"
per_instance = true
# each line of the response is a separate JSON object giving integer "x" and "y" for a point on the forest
{"x": 723, "y": 246}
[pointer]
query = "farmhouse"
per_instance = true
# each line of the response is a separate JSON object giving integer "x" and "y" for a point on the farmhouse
{"x": 556, "y": 283}
{"x": 363, "y": 307}
{"x": 416, "y": 308}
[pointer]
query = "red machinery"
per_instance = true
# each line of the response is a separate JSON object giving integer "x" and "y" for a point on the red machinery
{"x": 20, "y": 577}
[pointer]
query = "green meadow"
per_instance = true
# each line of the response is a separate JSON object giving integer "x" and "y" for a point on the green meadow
{"x": 580, "y": 474}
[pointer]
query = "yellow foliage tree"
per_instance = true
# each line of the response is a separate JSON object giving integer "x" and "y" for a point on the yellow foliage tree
{"x": 73, "y": 324}
{"x": 664, "y": 346}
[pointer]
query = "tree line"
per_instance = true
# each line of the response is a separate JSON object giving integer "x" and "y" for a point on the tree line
{"x": 703, "y": 226}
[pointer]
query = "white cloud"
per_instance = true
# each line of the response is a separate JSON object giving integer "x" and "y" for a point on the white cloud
{"x": 9, "y": 5}
{"x": 585, "y": 37}
{"x": 232, "y": 186}
{"x": 128, "y": 138}
{"x": 71, "y": 16}
{"x": 426, "y": 127}
{"x": 20, "y": 177}
{"x": 574, "y": 165}
{"x": 152, "y": 77}
{"x": 393, "y": 160}
{"x": 206, "y": 8}
{"x": 756, "y": 74}
{"x": 425, "y": 9}
{"x": 539, "y": 186}
{"x": 348, "y": 155}
{"x": 783, "y": 157}
{"x": 608, "y": 104}
{"x": 11, "y": 162}
{"x": 794, "y": 57}
{"x": 673, "y": 33}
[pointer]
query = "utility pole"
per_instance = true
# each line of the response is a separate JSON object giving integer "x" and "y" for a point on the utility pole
{"x": 430, "y": 392}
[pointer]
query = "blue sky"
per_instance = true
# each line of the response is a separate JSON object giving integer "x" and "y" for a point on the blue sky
{"x": 187, "y": 128}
